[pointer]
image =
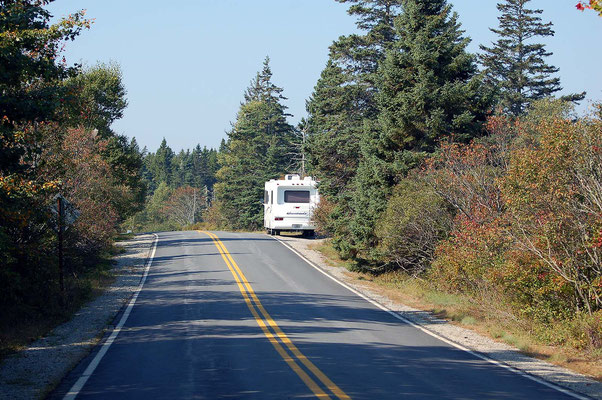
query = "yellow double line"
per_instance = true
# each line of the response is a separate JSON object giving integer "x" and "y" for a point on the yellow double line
{"x": 275, "y": 335}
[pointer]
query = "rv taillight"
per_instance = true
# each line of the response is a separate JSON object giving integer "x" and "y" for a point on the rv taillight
{"x": 279, "y": 219}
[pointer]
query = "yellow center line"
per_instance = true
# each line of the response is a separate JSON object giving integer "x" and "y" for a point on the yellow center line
{"x": 252, "y": 302}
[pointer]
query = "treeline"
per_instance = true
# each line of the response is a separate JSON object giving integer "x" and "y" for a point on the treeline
{"x": 179, "y": 188}
{"x": 462, "y": 170}
{"x": 223, "y": 189}
{"x": 56, "y": 141}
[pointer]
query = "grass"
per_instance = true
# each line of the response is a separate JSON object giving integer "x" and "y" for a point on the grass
{"x": 490, "y": 317}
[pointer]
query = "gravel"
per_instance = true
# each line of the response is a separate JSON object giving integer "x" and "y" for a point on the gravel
{"x": 32, "y": 373}
{"x": 500, "y": 352}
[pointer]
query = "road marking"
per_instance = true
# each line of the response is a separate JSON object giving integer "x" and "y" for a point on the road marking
{"x": 253, "y": 302}
{"x": 527, "y": 375}
{"x": 79, "y": 384}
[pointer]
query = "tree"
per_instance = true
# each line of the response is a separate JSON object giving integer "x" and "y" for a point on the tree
{"x": 94, "y": 99}
{"x": 360, "y": 55}
{"x": 160, "y": 164}
{"x": 514, "y": 64}
{"x": 344, "y": 95}
{"x": 31, "y": 72}
{"x": 428, "y": 90}
{"x": 30, "y": 82}
{"x": 258, "y": 149}
{"x": 554, "y": 196}
{"x": 156, "y": 203}
{"x": 334, "y": 127}
{"x": 343, "y": 99}
{"x": 75, "y": 159}
{"x": 184, "y": 204}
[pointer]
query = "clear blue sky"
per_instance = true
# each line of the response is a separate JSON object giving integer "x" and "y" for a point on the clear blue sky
{"x": 186, "y": 63}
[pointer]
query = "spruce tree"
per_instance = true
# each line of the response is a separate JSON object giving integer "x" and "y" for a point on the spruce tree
{"x": 258, "y": 149}
{"x": 334, "y": 128}
{"x": 360, "y": 54}
{"x": 160, "y": 164}
{"x": 342, "y": 100}
{"x": 514, "y": 64}
{"x": 428, "y": 90}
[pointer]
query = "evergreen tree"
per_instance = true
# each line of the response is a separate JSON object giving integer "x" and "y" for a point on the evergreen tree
{"x": 343, "y": 99}
{"x": 428, "y": 89}
{"x": 126, "y": 160}
{"x": 257, "y": 150}
{"x": 359, "y": 54}
{"x": 514, "y": 64}
{"x": 334, "y": 128}
{"x": 205, "y": 166}
{"x": 160, "y": 164}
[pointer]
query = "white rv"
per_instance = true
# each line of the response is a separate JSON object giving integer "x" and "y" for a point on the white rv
{"x": 288, "y": 205}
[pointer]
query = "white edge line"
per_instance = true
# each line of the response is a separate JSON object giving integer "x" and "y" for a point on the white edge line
{"x": 437, "y": 336}
{"x": 79, "y": 384}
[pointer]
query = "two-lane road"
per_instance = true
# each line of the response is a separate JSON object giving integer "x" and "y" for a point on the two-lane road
{"x": 233, "y": 315}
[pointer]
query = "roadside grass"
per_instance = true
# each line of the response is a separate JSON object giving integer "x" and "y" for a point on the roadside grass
{"x": 489, "y": 315}
{"x": 21, "y": 326}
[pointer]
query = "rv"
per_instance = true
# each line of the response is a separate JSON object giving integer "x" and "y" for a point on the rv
{"x": 288, "y": 205}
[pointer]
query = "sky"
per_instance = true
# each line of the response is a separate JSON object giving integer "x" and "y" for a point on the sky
{"x": 186, "y": 63}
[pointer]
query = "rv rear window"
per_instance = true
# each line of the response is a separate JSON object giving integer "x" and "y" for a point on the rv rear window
{"x": 296, "y": 196}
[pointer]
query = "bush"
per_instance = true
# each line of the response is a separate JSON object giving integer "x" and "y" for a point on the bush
{"x": 553, "y": 193}
{"x": 415, "y": 220}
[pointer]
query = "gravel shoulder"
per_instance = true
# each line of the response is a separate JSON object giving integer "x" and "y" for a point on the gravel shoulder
{"x": 35, "y": 371}
{"x": 500, "y": 352}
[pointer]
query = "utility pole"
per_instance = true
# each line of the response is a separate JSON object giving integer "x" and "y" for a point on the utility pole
{"x": 303, "y": 151}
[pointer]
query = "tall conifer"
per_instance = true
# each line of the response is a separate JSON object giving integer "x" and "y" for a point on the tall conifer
{"x": 257, "y": 150}
{"x": 428, "y": 89}
{"x": 514, "y": 64}
{"x": 342, "y": 100}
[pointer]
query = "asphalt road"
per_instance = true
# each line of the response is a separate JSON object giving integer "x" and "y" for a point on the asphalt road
{"x": 242, "y": 316}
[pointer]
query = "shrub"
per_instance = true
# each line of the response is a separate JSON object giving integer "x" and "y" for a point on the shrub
{"x": 554, "y": 196}
{"x": 415, "y": 220}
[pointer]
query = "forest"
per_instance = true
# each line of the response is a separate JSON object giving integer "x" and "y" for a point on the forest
{"x": 468, "y": 172}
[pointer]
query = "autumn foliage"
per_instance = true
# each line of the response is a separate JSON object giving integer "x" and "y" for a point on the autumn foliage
{"x": 527, "y": 206}
{"x": 50, "y": 145}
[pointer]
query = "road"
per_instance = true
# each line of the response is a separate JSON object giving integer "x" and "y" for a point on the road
{"x": 237, "y": 315}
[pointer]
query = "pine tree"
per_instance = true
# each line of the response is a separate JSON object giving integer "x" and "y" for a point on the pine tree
{"x": 514, "y": 64}
{"x": 428, "y": 89}
{"x": 258, "y": 149}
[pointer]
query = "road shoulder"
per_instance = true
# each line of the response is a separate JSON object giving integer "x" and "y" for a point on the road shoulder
{"x": 496, "y": 351}
{"x": 33, "y": 372}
